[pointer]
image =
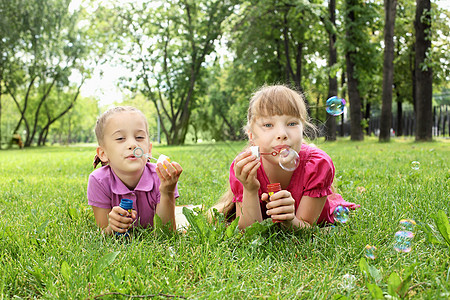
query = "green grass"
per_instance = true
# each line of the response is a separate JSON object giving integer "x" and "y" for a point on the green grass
{"x": 51, "y": 248}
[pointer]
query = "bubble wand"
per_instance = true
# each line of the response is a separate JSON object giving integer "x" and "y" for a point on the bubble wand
{"x": 289, "y": 158}
{"x": 139, "y": 152}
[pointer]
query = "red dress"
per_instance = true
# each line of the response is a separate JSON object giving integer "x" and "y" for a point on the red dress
{"x": 312, "y": 178}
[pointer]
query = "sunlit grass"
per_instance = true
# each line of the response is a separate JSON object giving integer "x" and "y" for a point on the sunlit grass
{"x": 50, "y": 246}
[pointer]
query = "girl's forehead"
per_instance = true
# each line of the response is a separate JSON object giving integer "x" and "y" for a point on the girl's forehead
{"x": 127, "y": 119}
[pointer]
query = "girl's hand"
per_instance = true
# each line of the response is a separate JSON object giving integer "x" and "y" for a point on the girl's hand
{"x": 121, "y": 220}
{"x": 168, "y": 174}
{"x": 281, "y": 206}
{"x": 245, "y": 167}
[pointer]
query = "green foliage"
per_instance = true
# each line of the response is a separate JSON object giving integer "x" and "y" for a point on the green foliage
{"x": 51, "y": 247}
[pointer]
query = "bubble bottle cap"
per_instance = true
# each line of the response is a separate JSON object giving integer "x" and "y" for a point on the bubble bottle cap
{"x": 126, "y": 204}
{"x": 255, "y": 150}
{"x": 272, "y": 188}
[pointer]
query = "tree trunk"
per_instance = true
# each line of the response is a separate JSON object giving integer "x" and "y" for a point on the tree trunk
{"x": 330, "y": 124}
{"x": 356, "y": 132}
{"x": 390, "y": 7}
{"x": 424, "y": 80}
{"x": 399, "y": 131}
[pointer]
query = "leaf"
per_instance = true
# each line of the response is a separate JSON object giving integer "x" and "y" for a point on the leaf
{"x": 375, "y": 291}
{"x": 257, "y": 228}
{"x": 443, "y": 225}
{"x": 157, "y": 222}
{"x": 194, "y": 221}
{"x": 394, "y": 282}
{"x": 42, "y": 227}
{"x": 233, "y": 228}
{"x": 375, "y": 273}
{"x": 103, "y": 263}
{"x": 404, "y": 287}
{"x": 73, "y": 213}
{"x": 430, "y": 236}
{"x": 364, "y": 267}
{"x": 66, "y": 271}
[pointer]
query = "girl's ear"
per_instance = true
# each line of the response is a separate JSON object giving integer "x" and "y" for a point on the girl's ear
{"x": 250, "y": 136}
{"x": 150, "y": 148}
{"x": 102, "y": 154}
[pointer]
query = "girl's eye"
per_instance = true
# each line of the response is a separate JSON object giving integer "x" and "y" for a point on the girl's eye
{"x": 140, "y": 137}
{"x": 120, "y": 139}
{"x": 293, "y": 124}
{"x": 267, "y": 125}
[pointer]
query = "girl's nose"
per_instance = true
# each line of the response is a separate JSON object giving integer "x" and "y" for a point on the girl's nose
{"x": 132, "y": 146}
{"x": 282, "y": 134}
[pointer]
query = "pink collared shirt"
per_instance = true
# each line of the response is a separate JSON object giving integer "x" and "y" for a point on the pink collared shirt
{"x": 312, "y": 178}
{"x": 105, "y": 190}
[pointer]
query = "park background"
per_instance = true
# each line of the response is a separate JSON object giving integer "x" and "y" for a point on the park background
{"x": 191, "y": 67}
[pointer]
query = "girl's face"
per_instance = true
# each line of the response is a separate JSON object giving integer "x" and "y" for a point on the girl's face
{"x": 275, "y": 133}
{"x": 123, "y": 132}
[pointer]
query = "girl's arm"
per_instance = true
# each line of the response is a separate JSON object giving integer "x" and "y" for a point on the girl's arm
{"x": 308, "y": 211}
{"x": 245, "y": 168}
{"x": 281, "y": 208}
{"x": 115, "y": 219}
{"x": 169, "y": 176}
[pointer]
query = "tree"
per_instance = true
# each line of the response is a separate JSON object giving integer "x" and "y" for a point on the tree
{"x": 330, "y": 125}
{"x": 388, "y": 70}
{"x": 51, "y": 47}
{"x": 350, "y": 57}
{"x": 166, "y": 46}
{"x": 423, "y": 72}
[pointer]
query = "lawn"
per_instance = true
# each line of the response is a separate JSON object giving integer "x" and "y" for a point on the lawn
{"x": 51, "y": 248}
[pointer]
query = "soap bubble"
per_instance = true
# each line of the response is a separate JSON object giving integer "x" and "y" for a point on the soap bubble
{"x": 407, "y": 224}
{"x": 415, "y": 165}
{"x": 335, "y": 106}
{"x": 341, "y": 214}
{"x": 289, "y": 159}
{"x": 370, "y": 252}
{"x": 348, "y": 281}
{"x": 402, "y": 242}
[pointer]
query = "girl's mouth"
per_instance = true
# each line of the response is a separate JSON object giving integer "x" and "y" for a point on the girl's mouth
{"x": 281, "y": 147}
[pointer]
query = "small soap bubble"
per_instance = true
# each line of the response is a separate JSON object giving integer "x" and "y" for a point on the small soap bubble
{"x": 348, "y": 281}
{"x": 341, "y": 214}
{"x": 370, "y": 252}
{"x": 289, "y": 159}
{"x": 415, "y": 165}
{"x": 335, "y": 106}
{"x": 403, "y": 240}
{"x": 407, "y": 225}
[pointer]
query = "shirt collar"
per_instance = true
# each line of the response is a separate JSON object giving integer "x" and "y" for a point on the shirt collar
{"x": 145, "y": 184}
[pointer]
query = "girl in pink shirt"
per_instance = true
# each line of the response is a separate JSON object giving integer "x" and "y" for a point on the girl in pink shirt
{"x": 276, "y": 120}
{"x": 153, "y": 188}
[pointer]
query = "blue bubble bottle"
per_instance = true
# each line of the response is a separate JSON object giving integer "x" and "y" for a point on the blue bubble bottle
{"x": 126, "y": 204}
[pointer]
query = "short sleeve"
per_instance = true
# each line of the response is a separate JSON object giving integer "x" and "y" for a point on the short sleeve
{"x": 236, "y": 186}
{"x": 319, "y": 174}
{"x": 97, "y": 194}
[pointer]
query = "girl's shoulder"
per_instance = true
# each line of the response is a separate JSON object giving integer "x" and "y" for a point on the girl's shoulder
{"x": 311, "y": 153}
{"x": 102, "y": 172}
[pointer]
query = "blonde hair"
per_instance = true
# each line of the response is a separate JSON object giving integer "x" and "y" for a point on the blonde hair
{"x": 276, "y": 100}
{"x": 101, "y": 121}
{"x": 269, "y": 100}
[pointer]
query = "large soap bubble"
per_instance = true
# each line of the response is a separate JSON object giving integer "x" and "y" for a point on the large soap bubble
{"x": 335, "y": 106}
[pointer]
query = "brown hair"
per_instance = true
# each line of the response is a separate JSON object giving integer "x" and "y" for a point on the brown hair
{"x": 101, "y": 121}
{"x": 269, "y": 100}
